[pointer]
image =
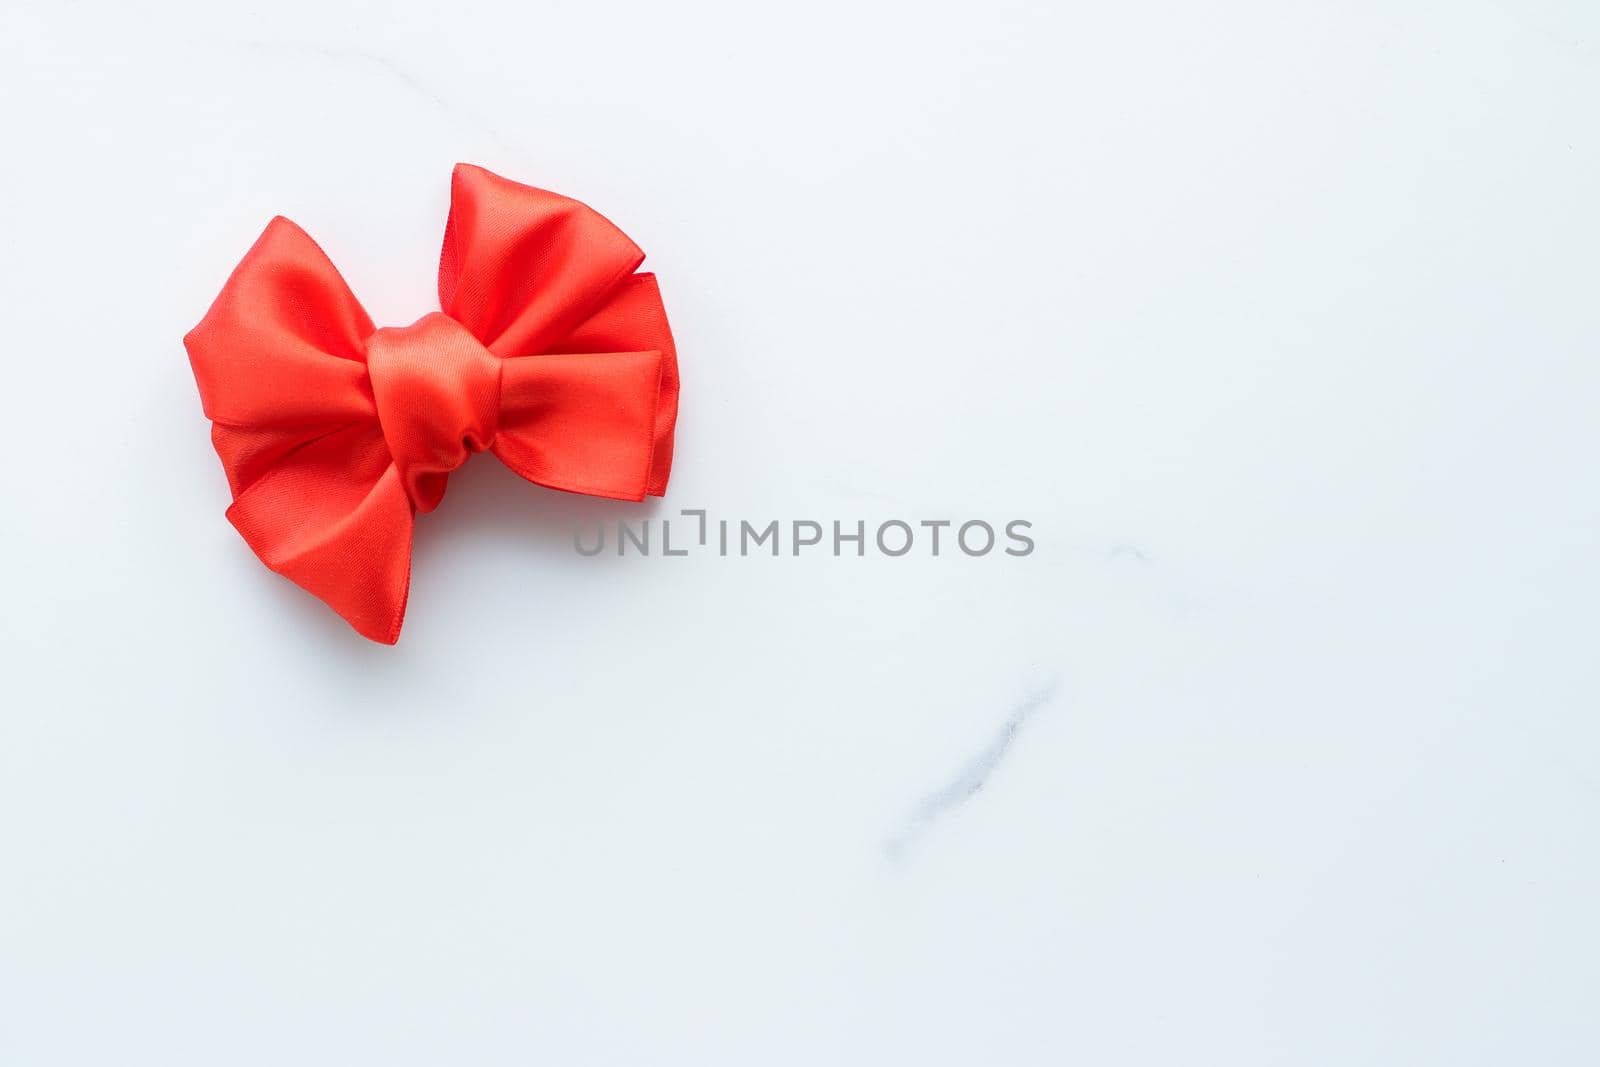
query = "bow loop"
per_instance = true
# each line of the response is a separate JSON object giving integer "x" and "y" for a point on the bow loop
{"x": 284, "y": 342}
{"x": 521, "y": 267}
{"x": 280, "y": 361}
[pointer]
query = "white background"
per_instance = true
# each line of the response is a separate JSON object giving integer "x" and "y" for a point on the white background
{"x": 1278, "y": 320}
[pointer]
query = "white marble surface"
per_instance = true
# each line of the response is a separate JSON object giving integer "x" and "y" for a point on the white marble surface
{"x": 1278, "y": 321}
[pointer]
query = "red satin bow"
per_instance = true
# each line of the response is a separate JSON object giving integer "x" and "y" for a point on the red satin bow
{"x": 549, "y": 351}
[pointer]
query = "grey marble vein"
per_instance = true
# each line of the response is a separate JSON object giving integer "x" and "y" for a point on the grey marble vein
{"x": 967, "y": 781}
{"x": 1127, "y": 550}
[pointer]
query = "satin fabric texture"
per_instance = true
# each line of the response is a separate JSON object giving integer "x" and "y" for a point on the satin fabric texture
{"x": 548, "y": 350}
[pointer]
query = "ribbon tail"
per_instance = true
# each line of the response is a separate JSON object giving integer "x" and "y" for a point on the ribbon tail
{"x": 333, "y": 517}
{"x": 582, "y": 422}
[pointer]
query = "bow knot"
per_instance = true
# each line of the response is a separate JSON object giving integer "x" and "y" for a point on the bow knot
{"x": 549, "y": 351}
{"x": 437, "y": 390}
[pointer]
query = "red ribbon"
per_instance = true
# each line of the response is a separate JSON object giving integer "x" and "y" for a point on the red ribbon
{"x": 549, "y": 351}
